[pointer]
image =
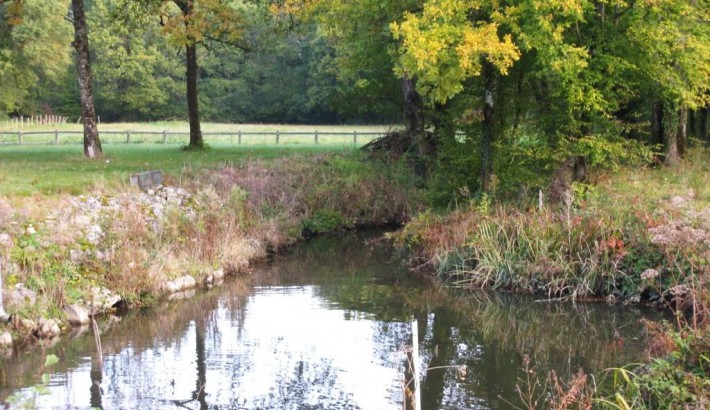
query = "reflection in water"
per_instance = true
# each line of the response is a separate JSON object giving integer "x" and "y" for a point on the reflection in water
{"x": 97, "y": 376}
{"x": 325, "y": 327}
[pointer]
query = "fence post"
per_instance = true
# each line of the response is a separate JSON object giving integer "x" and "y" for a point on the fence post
{"x": 316, "y": 136}
{"x": 56, "y": 137}
{"x": 355, "y": 137}
{"x": 128, "y": 136}
{"x": 165, "y": 136}
{"x": 415, "y": 366}
{"x": 19, "y": 137}
{"x": 277, "y": 137}
{"x": 239, "y": 136}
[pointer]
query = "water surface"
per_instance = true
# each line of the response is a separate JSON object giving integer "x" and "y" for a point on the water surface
{"x": 327, "y": 326}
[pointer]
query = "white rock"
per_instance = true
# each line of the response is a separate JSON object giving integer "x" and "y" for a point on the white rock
{"x": 179, "y": 284}
{"x": 82, "y": 220}
{"x": 218, "y": 274}
{"x": 102, "y": 299}
{"x": 94, "y": 234}
{"x": 5, "y": 240}
{"x": 76, "y": 255}
{"x": 48, "y": 328}
{"x": 5, "y": 339}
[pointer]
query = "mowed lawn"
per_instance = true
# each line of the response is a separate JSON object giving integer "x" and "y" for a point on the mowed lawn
{"x": 55, "y": 169}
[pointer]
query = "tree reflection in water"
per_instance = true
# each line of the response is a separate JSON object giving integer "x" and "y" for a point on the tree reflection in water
{"x": 325, "y": 327}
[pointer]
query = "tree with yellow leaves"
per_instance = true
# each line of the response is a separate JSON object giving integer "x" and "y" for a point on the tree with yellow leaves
{"x": 449, "y": 42}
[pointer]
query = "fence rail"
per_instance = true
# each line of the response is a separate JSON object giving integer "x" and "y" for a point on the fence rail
{"x": 177, "y": 137}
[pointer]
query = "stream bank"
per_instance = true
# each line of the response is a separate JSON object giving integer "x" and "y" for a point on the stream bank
{"x": 93, "y": 251}
{"x": 326, "y": 325}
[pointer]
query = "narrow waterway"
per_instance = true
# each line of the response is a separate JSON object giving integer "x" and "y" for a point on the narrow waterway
{"x": 326, "y": 326}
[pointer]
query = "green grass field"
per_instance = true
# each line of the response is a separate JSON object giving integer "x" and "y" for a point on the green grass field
{"x": 39, "y": 166}
{"x": 49, "y": 169}
{"x": 177, "y": 133}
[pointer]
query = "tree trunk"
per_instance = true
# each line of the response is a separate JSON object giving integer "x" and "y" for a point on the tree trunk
{"x": 670, "y": 128}
{"x": 193, "y": 110}
{"x": 92, "y": 143}
{"x": 693, "y": 123}
{"x": 488, "y": 131}
{"x": 682, "y": 137}
{"x": 414, "y": 119}
{"x": 704, "y": 112}
{"x": 657, "y": 127}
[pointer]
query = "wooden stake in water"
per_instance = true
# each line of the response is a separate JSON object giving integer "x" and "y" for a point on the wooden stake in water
{"x": 4, "y": 317}
{"x": 97, "y": 339}
{"x": 415, "y": 365}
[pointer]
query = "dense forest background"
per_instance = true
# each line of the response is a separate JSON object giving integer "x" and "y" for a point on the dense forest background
{"x": 277, "y": 74}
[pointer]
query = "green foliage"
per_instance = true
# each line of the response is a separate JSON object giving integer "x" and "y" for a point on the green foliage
{"x": 134, "y": 73}
{"x": 34, "y": 51}
{"x": 322, "y": 221}
{"x": 678, "y": 379}
{"x": 608, "y": 153}
{"x": 363, "y": 57}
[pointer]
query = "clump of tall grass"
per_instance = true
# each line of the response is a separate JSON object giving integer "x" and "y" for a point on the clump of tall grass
{"x": 616, "y": 239}
{"x": 538, "y": 251}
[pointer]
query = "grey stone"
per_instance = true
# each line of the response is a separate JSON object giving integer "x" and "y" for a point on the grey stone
{"x": 77, "y": 331}
{"x": 147, "y": 180}
{"x": 186, "y": 294}
{"x": 77, "y": 315}
{"x": 19, "y": 296}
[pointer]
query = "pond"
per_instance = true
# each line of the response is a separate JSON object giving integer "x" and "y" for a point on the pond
{"x": 326, "y": 326}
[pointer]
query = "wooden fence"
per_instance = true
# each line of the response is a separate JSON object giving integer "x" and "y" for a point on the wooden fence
{"x": 174, "y": 137}
{"x": 19, "y": 122}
